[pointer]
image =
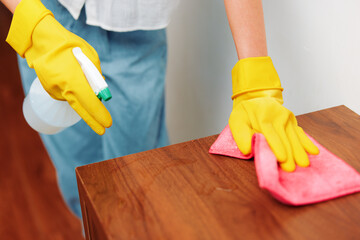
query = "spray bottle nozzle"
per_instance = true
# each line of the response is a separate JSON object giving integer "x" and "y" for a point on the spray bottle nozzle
{"x": 93, "y": 76}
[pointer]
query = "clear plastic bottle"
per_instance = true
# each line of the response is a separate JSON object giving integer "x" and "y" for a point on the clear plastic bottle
{"x": 49, "y": 116}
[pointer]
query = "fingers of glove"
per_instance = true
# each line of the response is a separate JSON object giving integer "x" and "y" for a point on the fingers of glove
{"x": 275, "y": 142}
{"x": 288, "y": 166}
{"x": 308, "y": 145}
{"x": 241, "y": 131}
{"x": 81, "y": 95}
{"x": 300, "y": 156}
{"x": 88, "y": 100}
{"x": 93, "y": 124}
{"x": 285, "y": 141}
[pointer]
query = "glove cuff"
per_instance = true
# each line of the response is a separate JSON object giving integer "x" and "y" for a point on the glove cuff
{"x": 254, "y": 74}
{"x": 26, "y": 16}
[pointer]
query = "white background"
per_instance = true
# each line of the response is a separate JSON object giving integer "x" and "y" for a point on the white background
{"x": 315, "y": 47}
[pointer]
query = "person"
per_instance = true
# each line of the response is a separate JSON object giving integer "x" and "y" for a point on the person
{"x": 257, "y": 92}
{"x": 126, "y": 41}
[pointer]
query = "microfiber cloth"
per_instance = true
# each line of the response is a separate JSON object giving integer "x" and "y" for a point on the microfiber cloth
{"x": 326, "y": 178}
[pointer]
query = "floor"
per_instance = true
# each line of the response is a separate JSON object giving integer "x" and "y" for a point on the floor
{"x": 31, "y": 206}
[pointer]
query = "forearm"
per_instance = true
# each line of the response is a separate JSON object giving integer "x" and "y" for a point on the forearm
{"x": 10, "y": 4}
{"x": 246, "y": 21}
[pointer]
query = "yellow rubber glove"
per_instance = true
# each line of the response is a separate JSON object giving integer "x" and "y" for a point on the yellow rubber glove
{"x": 47, "y": 46}
{"x": 257, "y": 108}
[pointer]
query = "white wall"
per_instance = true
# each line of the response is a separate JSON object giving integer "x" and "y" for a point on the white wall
{"x": 315, "y": 46}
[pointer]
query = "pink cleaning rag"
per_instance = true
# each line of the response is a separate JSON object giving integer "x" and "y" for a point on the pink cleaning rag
{"x": 326, "y": 178}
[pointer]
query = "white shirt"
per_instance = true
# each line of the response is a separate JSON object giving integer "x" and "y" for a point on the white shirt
{"x": 123, "y": 15}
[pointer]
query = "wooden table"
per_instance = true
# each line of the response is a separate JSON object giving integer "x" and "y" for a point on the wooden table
{"x": 182, "y": 192}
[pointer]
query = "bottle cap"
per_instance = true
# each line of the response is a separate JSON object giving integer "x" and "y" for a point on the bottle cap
{"x": 105, "y": 94}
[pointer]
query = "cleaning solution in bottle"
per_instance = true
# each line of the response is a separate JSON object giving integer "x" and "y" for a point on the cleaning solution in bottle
{"x": 49, "y": 116}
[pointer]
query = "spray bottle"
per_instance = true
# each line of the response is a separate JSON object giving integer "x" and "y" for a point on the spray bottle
{"x": 49, "y": 116}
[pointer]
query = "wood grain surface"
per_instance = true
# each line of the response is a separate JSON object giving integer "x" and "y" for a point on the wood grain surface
{"x": 183, "y": 192}
{"x": 31, "y": 207}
